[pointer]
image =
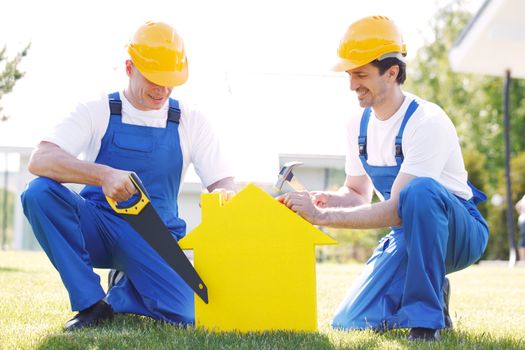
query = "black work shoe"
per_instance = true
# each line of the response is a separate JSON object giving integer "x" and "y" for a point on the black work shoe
{"x": 113, "y": 277}
{"x": 92, "y": 316}
{"x": 446, "y": 296}
{"x": 424, "y": 334}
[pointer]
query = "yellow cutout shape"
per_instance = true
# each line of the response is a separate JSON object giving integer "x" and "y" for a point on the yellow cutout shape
{"x": 257, "y": 258}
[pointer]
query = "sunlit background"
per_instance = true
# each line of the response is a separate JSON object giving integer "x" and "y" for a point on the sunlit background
{"x": 260, "y": 69}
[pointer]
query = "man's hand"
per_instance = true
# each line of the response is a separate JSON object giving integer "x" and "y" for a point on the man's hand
{"x": 225, "y": 194}
{"x": 325, "y": 199}
{"x": 321, "y": 199}
{"x": 303, "y": 204}
{"x": 225, "y": 187}
{"x": 117, "y": 185}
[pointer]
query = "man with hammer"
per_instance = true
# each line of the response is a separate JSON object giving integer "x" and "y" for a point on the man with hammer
{"x": 406, "y": 150}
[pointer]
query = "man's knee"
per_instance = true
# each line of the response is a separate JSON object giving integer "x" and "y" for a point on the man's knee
{"x": 418, "y": 193}
{"x": 37, "y": 191}
{"x": 420, "y": 187}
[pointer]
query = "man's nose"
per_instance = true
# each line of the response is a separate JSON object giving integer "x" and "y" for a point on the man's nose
{"x": 354, "y": 84}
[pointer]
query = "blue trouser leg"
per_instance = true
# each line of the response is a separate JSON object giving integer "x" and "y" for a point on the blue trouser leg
{"x": 54, "y": 213}
{"x": 376, "y": 294}
{"x": 443, "y": 234}
{"x": 77, "y": 236}
{"x": 402, "y": 283}
{"x": 150, "y": 287}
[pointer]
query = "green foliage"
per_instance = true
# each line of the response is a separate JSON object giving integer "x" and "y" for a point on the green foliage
{"x": 473, "y": 102}
{"x": 475, "y": 105}
{"x": 517, "y": 175}
{"x": 353, "y": 245}
{"x": 475, "y": 163}
{"x": 10, "y": 73}
{"x": 497, "y": 216}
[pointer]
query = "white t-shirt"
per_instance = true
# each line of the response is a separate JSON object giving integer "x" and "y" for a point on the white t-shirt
{"x": 521, "y": 217}
{"x": 430, "y": 146}
{"x": 80, "y": 134}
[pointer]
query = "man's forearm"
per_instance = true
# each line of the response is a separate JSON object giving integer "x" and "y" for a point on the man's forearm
{"x": 356, "y": 191}
{"x": 350, "y": 198}
{"x": 51, "y": 161}
{"x": 377, "y": 215}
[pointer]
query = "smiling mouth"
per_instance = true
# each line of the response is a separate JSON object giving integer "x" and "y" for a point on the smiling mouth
{"x": 361, "y": 95}
{"x": 158, "y": 99}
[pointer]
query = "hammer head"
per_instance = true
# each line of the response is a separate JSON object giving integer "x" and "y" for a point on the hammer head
{"x": 286, "y": 176}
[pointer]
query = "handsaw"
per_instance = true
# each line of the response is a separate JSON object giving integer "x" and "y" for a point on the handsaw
{"x": 141, "y": 215}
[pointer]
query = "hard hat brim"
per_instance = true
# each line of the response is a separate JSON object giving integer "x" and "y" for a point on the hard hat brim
{"x": 169, "y": 79}
{"x": 346, "y": 65}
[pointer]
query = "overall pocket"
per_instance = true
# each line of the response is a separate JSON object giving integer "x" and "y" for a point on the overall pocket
{"x": 136, "y": 146}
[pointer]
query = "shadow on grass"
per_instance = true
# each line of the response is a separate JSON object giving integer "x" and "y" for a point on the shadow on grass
{"x": 134, "y": 332}
{"x": 10, "y": 269}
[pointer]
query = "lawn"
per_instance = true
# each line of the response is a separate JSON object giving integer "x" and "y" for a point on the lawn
{"x": 487, "y": 306}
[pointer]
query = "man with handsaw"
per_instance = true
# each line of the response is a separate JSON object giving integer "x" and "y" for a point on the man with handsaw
{"x": 407, "y": 150}
{"x": 136, "y": 142}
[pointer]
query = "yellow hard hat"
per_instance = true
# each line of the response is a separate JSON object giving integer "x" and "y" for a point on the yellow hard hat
{"x": 368, "y": 39}
{"x": 157, "y": 51}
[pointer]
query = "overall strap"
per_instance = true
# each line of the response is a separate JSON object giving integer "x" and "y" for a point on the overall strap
{"x": 115, "y": 104}
{"x": 362, "y": 134}
{"x": 115, "y": 107}
{"x": 174, "y": 111}
{"x": 399, "y": 150}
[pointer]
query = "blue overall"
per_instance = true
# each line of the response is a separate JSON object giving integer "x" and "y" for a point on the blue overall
{"x": 401, "y": 285}
{"x": 80, "y": 232}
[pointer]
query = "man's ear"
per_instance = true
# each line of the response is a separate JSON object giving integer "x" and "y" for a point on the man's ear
{"x": 393, "y": 72}
{"x": 129, "y": 67}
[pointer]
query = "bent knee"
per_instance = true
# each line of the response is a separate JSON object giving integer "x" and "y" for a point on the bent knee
{"x": 37, "y": 190}
{"x": 417, "y": 195}
{"x": 420, "y": 186}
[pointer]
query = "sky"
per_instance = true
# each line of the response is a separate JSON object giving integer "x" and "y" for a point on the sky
{"x": 259, "y": 69}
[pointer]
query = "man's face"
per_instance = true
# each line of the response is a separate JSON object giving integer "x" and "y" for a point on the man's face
{"x": 370, "y": 87}
{"x": 145, "y": 95}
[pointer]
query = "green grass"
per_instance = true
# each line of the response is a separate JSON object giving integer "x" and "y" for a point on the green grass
{"x": 487, "y": 305}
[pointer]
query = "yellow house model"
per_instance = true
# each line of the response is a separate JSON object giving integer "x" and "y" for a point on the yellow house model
{"x": 257, "y": 258}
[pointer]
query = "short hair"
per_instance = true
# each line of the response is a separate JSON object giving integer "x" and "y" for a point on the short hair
{"x": 384, "y": 64}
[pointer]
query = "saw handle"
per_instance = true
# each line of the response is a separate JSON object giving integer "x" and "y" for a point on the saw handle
{"x": 135, "y": 207}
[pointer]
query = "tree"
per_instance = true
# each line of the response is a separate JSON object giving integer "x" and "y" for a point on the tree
{"x": 475, "y": 105}
{"x": 10, "y": 73}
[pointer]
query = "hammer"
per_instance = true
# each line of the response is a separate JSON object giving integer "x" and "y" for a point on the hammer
{"x": 286, "y": 176}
